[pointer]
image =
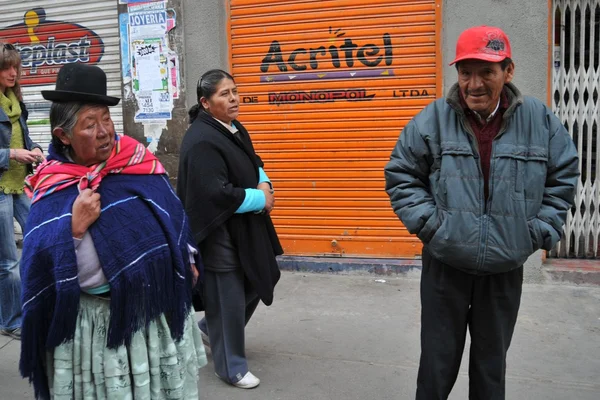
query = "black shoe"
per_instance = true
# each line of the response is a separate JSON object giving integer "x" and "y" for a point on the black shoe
{"x": 13, "y": 333}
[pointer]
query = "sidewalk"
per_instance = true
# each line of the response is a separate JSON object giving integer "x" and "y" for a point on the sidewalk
{"x": 349, "y": 337}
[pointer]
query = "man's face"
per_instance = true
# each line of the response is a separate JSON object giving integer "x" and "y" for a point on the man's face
{"x": 481, "y": 83}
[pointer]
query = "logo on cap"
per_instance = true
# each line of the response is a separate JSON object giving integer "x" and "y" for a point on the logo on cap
{"x": 496, "y": 45}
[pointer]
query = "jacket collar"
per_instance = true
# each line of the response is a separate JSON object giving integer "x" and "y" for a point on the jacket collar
{"x": 515, "y": 99}
{"x": 3, "y": 116}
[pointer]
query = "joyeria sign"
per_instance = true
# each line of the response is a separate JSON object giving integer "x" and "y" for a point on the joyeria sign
{"x": 45, "y": 45}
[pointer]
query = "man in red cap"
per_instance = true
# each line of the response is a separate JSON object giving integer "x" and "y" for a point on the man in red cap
{"x": 484, "y": 178}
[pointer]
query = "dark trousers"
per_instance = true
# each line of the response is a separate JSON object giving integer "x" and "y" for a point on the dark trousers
{"x": 229, "y": 302}
{"x": 451, "y": 301}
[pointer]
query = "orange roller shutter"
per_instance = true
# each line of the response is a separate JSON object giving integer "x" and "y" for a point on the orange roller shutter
{"x": 326, "y": 87}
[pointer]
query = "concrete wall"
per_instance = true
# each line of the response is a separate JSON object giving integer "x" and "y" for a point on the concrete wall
{"x": 525, "y": 23}
{"x": 206, "y": 44}
{"x": 200, "y": 40}
{"x": 170, "y": 133}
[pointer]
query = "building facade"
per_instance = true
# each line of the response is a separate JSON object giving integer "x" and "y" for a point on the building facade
{"x": 326, "y": 87}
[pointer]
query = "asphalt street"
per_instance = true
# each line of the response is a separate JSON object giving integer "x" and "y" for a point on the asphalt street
{"x": 356, "y": 337}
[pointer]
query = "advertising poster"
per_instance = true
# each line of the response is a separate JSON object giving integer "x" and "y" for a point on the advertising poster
{"x": 154, "y": 67}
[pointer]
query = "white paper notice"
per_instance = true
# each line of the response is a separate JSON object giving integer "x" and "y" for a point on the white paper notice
{"x": 162, "y": 101}
{"x": 147, "y": 59}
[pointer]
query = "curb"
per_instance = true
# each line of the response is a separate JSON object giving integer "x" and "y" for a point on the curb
{"x": 578, "y": 272}
{"x": 377, "y": 266}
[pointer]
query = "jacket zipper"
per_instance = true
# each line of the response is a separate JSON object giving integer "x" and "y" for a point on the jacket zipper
{"x": 483, "y": 208}
{"x": 488, "y": 202}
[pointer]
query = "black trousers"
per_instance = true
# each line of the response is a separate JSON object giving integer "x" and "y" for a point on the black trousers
{"x": 451, "y": 301}
{"x": 229, "y": 302}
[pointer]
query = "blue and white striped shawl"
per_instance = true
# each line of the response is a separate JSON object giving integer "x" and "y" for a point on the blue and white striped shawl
{"x": 141, "y": 238}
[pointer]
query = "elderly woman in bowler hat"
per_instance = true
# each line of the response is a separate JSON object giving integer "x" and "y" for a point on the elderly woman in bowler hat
{"x": 108, "y": 267}
{"x": 17, "y": 154}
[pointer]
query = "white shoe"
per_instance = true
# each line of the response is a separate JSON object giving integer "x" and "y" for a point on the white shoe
{"x": 249, "y": 381}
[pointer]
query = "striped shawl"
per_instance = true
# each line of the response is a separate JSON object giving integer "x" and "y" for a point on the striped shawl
{"x": 141, "y": 238}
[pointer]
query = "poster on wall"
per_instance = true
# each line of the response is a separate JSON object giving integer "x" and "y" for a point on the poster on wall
{"x": 151, "y": 80}
{"x": 154, "y": 66}
{"x": 174, "y": 74}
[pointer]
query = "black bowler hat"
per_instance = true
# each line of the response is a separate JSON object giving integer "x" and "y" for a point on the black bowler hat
{"x": 80, "y": 83}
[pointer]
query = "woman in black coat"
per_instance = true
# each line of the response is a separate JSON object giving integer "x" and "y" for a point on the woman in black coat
{"x": 228, "y": 198}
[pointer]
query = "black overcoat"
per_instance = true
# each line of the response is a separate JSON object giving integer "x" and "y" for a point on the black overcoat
{"x": 215, "y": 168}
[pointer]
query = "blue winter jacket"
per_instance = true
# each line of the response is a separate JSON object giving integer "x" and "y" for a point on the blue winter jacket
{"x": 436, "y": 186}
{"x": 5, "y": 134}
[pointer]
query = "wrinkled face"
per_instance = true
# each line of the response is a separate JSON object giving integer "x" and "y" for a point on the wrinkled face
{"x": 8, "y": 78}
{"x": 481, "y": 83}
{"x": 93, "y": 136}
{"x": 224, "y": 105}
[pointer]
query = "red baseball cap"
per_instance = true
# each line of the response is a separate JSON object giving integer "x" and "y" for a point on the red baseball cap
{"x": 486, "y": 43}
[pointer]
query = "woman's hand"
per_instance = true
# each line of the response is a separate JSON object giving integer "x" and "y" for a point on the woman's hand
{"x": 195, "y": 274}
{"x": 24, "y": 156}
{"x": 269, "y": 198}
{"x": 264, "y": 186}
{"x": 86, "y": 210}
{"x": 39, "y": 155}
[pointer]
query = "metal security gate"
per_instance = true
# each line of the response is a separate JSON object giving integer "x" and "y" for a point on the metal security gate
{"x": 51, "y": 33}
{"x": 575, "y": 89}
{"x": 326, "y": 87}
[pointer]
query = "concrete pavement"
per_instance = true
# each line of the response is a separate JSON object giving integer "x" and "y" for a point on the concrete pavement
{"x": 350, "y": 337}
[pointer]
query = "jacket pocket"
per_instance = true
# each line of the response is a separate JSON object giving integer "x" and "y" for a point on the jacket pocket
{"x": 528, "y": 168}
{"x": 431, "y": 226}
{"x": 459, "y": 185}
{"x": 537, "y": 239}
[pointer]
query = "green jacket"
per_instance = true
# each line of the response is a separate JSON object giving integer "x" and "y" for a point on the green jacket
{"x": 436, "y": 186}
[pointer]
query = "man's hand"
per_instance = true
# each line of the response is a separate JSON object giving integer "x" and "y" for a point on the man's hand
{"x": 86, "y": 210}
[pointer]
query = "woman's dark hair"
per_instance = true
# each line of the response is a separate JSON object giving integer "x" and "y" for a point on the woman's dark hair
{"x": 207, "y": 87}
{"x": 63, "y": 115}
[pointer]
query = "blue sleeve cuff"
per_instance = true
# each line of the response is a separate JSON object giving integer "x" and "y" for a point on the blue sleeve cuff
{"x": 5, "y": 158}
{"x": 262, "y": 176}
{"x": 254, "y": 201}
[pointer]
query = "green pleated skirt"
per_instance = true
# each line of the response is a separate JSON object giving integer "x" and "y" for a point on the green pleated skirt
{"x": 152, "y": 367}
